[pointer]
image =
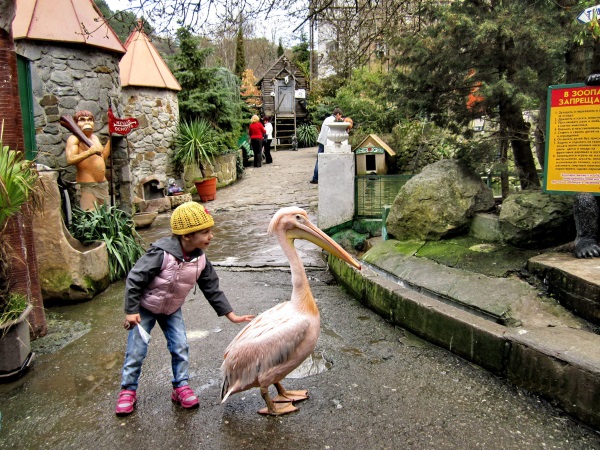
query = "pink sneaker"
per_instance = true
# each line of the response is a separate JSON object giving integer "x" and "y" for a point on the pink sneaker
{"x": 125, "y": 403}
{"x": 185, "y": 396}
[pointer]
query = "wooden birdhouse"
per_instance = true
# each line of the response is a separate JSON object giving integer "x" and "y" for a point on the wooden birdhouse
{"x": 371, "y": 156}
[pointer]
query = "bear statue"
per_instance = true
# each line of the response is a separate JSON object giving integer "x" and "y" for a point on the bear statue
{"x": 586, "y": 209}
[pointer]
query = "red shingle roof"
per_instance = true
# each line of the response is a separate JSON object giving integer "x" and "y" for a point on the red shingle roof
{"x": 77, "y": 21}
{"x": 142, "y": 65}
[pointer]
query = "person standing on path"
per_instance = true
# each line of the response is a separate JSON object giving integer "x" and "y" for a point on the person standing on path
{"x": 336, "y": 115}
{"x": 268, "y": 139}
{"x": 257, "y": 132}
{"x": 155, "y": 291}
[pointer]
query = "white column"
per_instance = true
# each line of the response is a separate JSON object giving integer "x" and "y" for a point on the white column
{"x": 336, "y": 179}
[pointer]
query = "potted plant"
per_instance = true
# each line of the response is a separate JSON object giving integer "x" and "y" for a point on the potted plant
{"x": 196, "y": 145}
{"x": 18, "y": 179}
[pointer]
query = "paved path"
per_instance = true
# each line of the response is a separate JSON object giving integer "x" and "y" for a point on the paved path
{"x": 373, "y": 385}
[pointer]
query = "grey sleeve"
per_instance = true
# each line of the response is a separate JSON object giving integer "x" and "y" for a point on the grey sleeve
{"x": 144, "y": 270}
{"x": 208, "y": 282}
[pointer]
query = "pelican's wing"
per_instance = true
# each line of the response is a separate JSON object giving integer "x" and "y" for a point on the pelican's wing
{"x": 266, "y": 342}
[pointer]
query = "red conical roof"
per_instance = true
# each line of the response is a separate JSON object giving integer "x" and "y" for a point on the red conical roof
{"x": 142, "y": 65}
{"x": 77, "y": 21}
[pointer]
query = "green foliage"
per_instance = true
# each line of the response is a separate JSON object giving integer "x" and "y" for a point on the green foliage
{"x": 18, "y": 178}
{"x": 209, "y": 93}
{"x": 307, "y": 135}
{"x": 301, "y": 56}
{"x": 364, "y": 99}
{"x": 280, "y": 49}
{"x": 196, "y": 144}
{"x": 240, "y": 54}
{"x": 486, "y": 53}
{"x": 14, "y": 307}
{"x": 116, "y": 229}
{"x": 122, "y": 22}
{"x": 418, "y": 143}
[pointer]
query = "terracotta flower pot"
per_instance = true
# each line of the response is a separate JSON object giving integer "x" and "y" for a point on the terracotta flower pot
{"x": 207, "y": 189}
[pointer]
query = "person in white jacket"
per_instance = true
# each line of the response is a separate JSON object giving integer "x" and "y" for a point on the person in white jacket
{"x": 267, "y": 141}
{"x": 336, "y": 115}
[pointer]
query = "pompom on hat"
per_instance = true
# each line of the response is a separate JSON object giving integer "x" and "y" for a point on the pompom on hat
{"x": 190, "y": 217}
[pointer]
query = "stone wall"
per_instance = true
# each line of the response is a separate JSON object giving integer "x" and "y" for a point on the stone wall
{"x": 150, "y": 146}
{"x": 67, "y": 78}
{"x": 224, "y": 168}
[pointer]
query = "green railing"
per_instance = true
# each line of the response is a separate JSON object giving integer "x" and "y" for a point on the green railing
{"x": 373, "y": 192}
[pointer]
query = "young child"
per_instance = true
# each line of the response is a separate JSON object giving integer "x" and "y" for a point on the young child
{"x": 155, "y": 290}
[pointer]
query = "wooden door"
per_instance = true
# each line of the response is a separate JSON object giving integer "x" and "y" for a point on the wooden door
{"x": 284, "y": 98}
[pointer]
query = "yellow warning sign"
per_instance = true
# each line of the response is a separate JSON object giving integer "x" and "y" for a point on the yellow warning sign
{"x": 573, "y": 139}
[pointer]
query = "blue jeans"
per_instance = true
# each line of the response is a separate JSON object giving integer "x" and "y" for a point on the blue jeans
{"x": 320, "y": 149}
{"x": 174, "y": 330}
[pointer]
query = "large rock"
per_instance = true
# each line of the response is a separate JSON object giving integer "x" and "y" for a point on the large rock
{"x": 438, "y": 202}
{"x": 534, "y": 219}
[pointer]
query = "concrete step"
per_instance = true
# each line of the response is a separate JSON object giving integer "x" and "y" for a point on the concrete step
{"x": 503, "y": 325}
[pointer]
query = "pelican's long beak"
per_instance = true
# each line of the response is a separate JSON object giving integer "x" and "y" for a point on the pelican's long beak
{"x": 313, "y": 234}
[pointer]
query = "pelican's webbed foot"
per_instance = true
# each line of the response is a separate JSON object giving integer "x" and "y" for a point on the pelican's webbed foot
{"x": 289, "y": 396}
{"x": 275, "y": 409}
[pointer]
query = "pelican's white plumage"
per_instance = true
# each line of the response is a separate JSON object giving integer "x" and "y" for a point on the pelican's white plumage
{"x": 279, "y": 339}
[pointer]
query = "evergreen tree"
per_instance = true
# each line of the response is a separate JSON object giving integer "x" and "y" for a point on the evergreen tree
{"x": 490, "y": 50}
{"x": 280, "y": 49}
{"x": 210, "y": 93}
{"x": 301, "y": 56}
{"x": 240, "y": 54}
{"x": 122, "y": 22}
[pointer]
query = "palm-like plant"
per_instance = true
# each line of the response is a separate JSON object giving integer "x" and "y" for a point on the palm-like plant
{"x": 18, "y": 178}
{"x": 195, "y": 145}
{"x": 307, "y": 135}
{"x": 116, "y": 229}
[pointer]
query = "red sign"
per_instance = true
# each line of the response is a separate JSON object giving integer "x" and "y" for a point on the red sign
{"x": 121, "y": 126}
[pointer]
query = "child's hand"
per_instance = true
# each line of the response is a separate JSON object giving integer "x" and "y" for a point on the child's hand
{"x": 239, "y": 319}
{"x": 131, "y": 320}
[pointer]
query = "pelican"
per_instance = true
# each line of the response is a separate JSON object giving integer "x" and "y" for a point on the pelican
{"x": 279, "y": 339}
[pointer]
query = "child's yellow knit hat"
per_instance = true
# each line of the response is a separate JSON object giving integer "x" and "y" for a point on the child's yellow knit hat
{"x": 190, "y": 217}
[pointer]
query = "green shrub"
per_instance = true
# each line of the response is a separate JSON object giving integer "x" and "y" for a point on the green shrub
{"x": 307, "y": 135}
{"x": 116, "y": 229}
{"x": 195, "y": 145}
{"x": 14, "y": 307}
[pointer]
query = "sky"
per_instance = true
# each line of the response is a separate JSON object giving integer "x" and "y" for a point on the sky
{"x": 269, "y": 28}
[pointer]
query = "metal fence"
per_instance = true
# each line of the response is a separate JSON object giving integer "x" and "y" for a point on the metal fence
{"x": 373, "y": 192}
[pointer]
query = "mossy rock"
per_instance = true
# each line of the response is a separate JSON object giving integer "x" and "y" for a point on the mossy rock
{"x": 471, "y": 254}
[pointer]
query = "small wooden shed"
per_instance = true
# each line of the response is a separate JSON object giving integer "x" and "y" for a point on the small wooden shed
{"x": 371, "y": 156}
{"x": 284, "y": 89}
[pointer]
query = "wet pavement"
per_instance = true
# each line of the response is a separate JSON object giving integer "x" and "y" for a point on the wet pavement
{"x": 372, "y": 385}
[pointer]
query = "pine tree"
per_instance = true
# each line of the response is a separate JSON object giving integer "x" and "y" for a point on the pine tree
{"x": 210, "y": 93}
{"x": 280, "y": 49}
{"x": 240, "y": 54}
{"x": 489, "y": 48}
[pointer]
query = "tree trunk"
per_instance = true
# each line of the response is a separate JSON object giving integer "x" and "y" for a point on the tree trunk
{"x": 521, "y": 147}
{"x": 540, "y": 132}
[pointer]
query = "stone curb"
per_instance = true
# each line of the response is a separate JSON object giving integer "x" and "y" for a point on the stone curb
{"x": 559, "y": 363}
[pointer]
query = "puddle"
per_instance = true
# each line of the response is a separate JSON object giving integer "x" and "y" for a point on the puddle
{"x": 330, "y": 333}
{"x": 414, "y": 341}
{"x": 353, "y": 351}
{"x": 312, "y": 365}
{"x": 195, "y": 335}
